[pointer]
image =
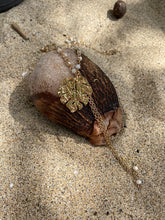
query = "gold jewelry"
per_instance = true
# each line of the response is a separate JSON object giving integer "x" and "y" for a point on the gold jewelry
{"x": 76, "y": 91}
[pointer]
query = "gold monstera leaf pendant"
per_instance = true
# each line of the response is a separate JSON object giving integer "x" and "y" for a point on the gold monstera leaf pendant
{"x": 74, "y": 92}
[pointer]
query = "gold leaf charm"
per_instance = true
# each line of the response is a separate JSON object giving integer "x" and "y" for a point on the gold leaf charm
{"x": 74, "y": 92}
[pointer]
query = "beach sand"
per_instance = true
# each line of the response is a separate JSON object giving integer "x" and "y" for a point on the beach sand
{"x": 46, "y": 171}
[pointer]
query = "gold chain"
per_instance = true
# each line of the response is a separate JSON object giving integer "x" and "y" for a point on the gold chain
{"x": 97, "y": 115}
{"x": 103, "y": 130}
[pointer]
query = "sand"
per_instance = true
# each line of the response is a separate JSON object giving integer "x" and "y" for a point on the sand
{"x": 46, "y": 171}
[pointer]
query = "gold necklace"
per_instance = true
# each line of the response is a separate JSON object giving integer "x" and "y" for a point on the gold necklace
{"x": 76, "y": 90}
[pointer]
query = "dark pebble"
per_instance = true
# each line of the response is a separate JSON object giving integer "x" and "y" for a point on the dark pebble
{"x": 119, "y": 9}
{"x": 95, "y": 213}
{"x": 107, "y": 213}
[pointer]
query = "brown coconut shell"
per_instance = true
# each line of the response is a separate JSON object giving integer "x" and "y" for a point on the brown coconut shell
{"x": 44, "y": 84}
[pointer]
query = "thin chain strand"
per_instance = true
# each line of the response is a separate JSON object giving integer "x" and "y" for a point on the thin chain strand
{"x": 102, "y": 127}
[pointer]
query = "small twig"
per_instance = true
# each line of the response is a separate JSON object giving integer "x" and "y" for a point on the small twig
{"x": 19, "y": 31}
